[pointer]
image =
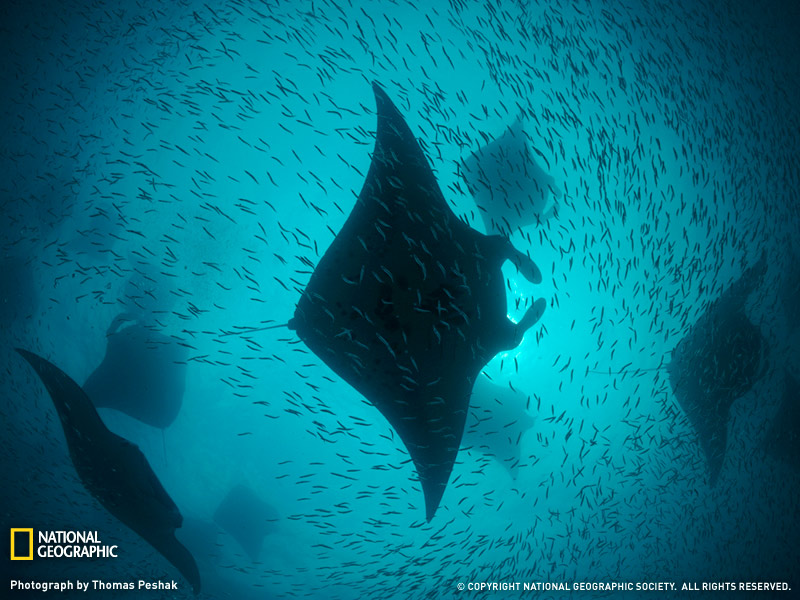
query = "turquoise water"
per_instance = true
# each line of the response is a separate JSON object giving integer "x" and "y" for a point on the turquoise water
{"x": 190, "y": 163}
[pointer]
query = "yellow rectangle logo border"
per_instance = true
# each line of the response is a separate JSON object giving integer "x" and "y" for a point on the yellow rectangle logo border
{"x": 29, "y": 531}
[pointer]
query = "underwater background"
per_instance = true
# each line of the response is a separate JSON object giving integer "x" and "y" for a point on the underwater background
{"x": 190, "y": 162}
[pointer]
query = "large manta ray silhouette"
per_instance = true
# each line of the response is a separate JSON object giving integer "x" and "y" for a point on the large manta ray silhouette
{"x": 408, "y": 303}
{"x": 718, "y": 361}
{"x": 114, "y": 470}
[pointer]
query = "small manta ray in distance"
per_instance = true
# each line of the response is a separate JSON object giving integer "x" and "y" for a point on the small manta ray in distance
{"x": 114, "y": 470}
{"x": 719, "y": 360}
{"x": 247, "y": 518}
{"x": 510, "y": 189}
{"x": 408, "y": 303}
{"x": 496, "y": 423}
{"x": 143, "y": 374}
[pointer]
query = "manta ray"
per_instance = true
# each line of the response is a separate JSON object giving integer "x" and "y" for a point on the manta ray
{"x": 496, "y": 423}
{"x": 719, "y": 360}
{"x": 247, "y": 518}
{"x": 143, "y": 374}
{"x": 510, "y": 189}
{"x": 200, "y": 537}
{"x": 408, "y": 303}
{"x": 219, "y": 582}
{"x": 114, "y": 470}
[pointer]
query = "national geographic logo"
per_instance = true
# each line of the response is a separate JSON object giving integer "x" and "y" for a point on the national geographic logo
{"x": 21, "y": 544}
{"x": 58, "y": 544}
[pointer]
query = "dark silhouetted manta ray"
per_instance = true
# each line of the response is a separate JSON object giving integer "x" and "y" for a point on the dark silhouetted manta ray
{"x": 408, "y": 303}
{"x": 718, "y": 361}
{"x": 114, "y": 470}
